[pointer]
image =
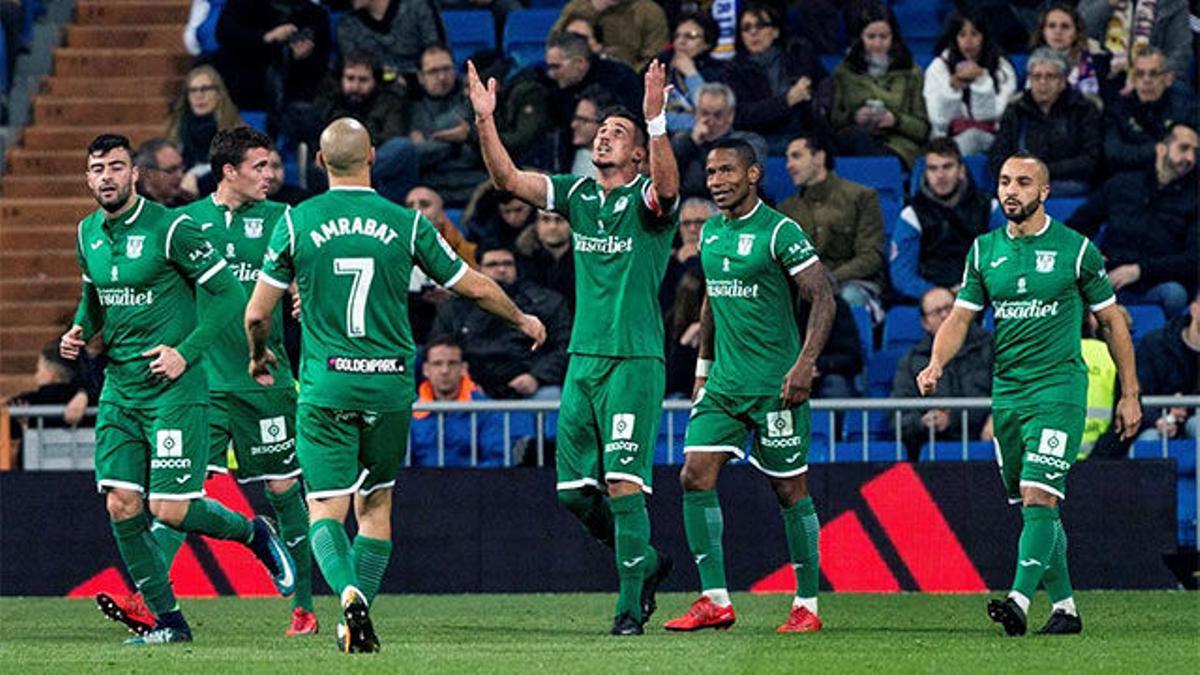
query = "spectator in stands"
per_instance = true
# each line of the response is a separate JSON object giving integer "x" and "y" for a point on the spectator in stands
{"x": 281, "y": 191}
{"x": 504, "y": 365}
{"x": 1168, "y": 364}
{"x": 425, "y": 296}
{"x": 497, "y": 217}
{"x": 1061, "y": 27}
{"x": 934, "y": 232}
{"x": 203, "y": 108}
{"x": 522, "y": 110}
{"x": 1150, "y": 243}
{"x": 685, "y": 258}
{"x": 1125, "y": 27}
{"x": 447, "y": 379}
{"x": 1011, "y": 22}
{"x": 689, "y": 65}
{"x": 681, "y": 295}
{"x": 56, "y": 382}
{"x": 1103, "y": 391}
{"x": 585, "y": 26}
{"x": 634, "y": 30}
{"x": 442, "y": 129}
{"x": 573, "y": 68}
{"x": 395, "y": 32}
{"x": 160, "y": 173}
{"x": 1135, "y": 122}
{"x": 1055, "y": 123}
{"x": 272, "y": 53}
{"x": 842, "y": 218}
{"x": 968, "y": 375}
{"x": 716, "y": 110}
{"x": 968, "y": 85}
{"x": 584, "y": 126}
{"x": 878, "y": 104}
{"x": 776, "y": 78}
{"x": 545, "y": 255}
{"x": 432, "y": 206}
{"x": 842, "y": 359}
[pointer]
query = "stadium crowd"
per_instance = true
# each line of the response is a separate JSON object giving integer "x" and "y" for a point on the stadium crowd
{"x": 1107, "y": 101}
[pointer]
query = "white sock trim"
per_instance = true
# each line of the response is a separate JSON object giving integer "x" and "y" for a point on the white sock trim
{"x": 1067, "y": 605}
{"x": 719, "y": 596}
{"x": 808, "y": 603}
{"x": 1021, "y": 600}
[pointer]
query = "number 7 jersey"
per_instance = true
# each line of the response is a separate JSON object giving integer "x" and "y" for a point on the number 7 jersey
{"x": 351, "y": 252}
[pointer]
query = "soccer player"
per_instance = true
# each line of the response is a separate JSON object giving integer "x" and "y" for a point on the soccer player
{"x": 752, "y": 376}
{"x": 352, "y": 252}
{"x": 1039, "y": 277}
{"x": 142, "y": 269}
{"x": 623, "y": 224}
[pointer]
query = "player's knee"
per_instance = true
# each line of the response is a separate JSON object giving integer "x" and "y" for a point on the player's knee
{"x": 280, "y": 486}
{"x": 1031, "y": 496}
{"x": 695, "y": 479}
{"x": 788, "y": 491}
{"x": 170, "y": 512}
{"x": 122, "y": 504}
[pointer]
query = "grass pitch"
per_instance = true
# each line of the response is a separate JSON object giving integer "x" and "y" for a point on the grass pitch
{"x": 1158, "y": 632}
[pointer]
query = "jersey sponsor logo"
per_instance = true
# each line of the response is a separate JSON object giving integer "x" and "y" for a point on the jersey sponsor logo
{"x": 998, "y": 261}
{"x": 622, "y": 426}
{"x": 1047, "y": 460}
{"x": 244, "y": 271}
{"x": 272, "y": 429}
{"x": 341, "y": 227}
{"x": 365, "y": 366}
{"x": 1025, "y": 309}
{"x": 253, "y": 227}
{"x": 97, "y": 244}
{"x": 779, "y": 424}
{"x": 124, "y": 296}
{"x": 609, "y": 244}
{"x": 134, "y": 244}
{"x": 745, "y": 244}
{"x": 1044, "y": 262}
{"x": 588, "y": 198}
{"x": 1053, "y": 442}
{"x": 731, "y": 288}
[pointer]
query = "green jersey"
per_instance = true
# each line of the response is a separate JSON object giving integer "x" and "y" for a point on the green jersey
{"x": 1037, "y": 287}
{"x": 748, "y": 266}
{"x": 241, "y": 236}
{"x": 622, "y": 243}
{"x": 142, "y": 267}
{"x": 351, "y": 253}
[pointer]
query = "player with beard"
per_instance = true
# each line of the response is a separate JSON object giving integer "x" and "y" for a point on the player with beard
{"x": 623, "y": 225}
{"x": 1039, "y": 277}
{"x": 143, "y": 268}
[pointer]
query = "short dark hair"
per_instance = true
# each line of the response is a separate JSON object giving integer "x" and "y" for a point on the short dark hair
{"x": 229, "y": 146}
{"x": 363, "y": 58}
{"x": 444, "y": 341}
{"x": 817, "y": 143}
{"x": 434, "y": 49}
{"x": 147, "y": 153}
{"x": 639, "y": 135}
{"x": 105, "y": 143}
{"x": 1025, "y": 154}
{"x": 1169, "y": 134}
{"x": 66, "y": 369}
{"x": 597, "y": 31}
{"x": 743, "y": 149}
{"x": 598, "y": 95}
{"x": 707, "y": 25}
{"x": 571, "y": 44}
{"x": 946, "y": 147}
{"x": 492, "y": 247}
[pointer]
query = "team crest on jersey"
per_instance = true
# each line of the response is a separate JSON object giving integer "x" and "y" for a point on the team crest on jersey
{"x": 1045, "y": 261}
{"x": 745, "y": 244}
{"x": 133, "y": 245}
{"x": 254, "y": 227}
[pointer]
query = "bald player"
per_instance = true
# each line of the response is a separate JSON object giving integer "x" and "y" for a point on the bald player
{"x": 1039, "y": 278}
{"x": 351, "y": 252}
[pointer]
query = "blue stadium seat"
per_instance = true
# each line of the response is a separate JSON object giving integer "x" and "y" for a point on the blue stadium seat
{"x": 881, "y": 370}
{"x": 866, "y": 329}
{"x": 256, "y": 119}
{"x": 879, "y": 426}
{"x": 546, "y": 4}
{"x": 777, "y": 183}
{"x": 877, "y": 451}
{"x": 890, "y": 206}
{"x": 1062, "y": 207}
{"x": 1185, "y": 513}
{"x": 469, "y": 31}
{"x": 902, "y": 327}
{"x": 525, "y": 34}
{"x": 1182, "y": 451}
{"x": 951, "y": 451}
{"x": 1019, "y": 63}
{"x": 3, "y": 64}
{"x": 882, "y": 172}
{"x": 822, "y": 430}
{"x": 830, "y": 61}
{"x": 676, "y": 423}
{"x": 1145, "y": 319}
{"x": 920, "y": 23}
{"x": 455, "y": 216}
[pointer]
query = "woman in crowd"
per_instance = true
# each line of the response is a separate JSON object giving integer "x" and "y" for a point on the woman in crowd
{"x": 1061, "y": 27}
{"x": 203, "y": 108}
{"x": 689, "y": 66}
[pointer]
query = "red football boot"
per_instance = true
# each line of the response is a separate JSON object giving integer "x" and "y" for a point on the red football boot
{"x": 304, "y": 622}
{"x": 800, "y": 620}
{"x": 130, "y": 610}
{"x": 704, "y": 613}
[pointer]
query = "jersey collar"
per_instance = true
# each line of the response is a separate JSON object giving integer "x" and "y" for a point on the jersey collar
{"x": 1046, "y": 226}
{"x": 749, "y": 214}
{"x": 127, "y": 217}
{"x": 351, "y": 188}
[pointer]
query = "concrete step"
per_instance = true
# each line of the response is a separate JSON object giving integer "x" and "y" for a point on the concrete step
{"x": 116, "y": 63}
{"x": 31, "y": 239}
{"x": 163, "y": 36}
{"x": 11, "y": 384}
{"x": 78, "y": 87}
{"x": 24, "y": 290}
{"x": 42, "y": 214}
{"x": 27, "y": 338}
{"x": 48, "y": 137}
{"x": 25, "y": 162}
{"x": 50, "y": 312}
{"x": 56, "y": 263}
{"x": 54, "y": 110}
{"x": 45, "y": 186}
{"x": 131, "y": 12}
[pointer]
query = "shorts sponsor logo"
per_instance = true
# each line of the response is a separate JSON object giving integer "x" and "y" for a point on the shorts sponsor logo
{"x": 1025, "y": 309}
{"x": 365, "y": 366}
{"x": 168, "y": 443}
{"x": 779, "y": 424}
{"x": 609, "y": 244}
{"x": 1045, "y": 261}
{"x": 745, "y": 244}
{"x": 170, "y": 463}
{"x": 134, "y": 244}
{"x": 621, "y": 446}
{"x": 1054, "y": 442}
{"x": 622, "y": 426}
{"x": 780, "y": 443}
{"x": 272, "y": 429}
{"x": 1054, "y": 475}
{"x": 1047, "y": 460}
{"x": 253, "y": 227}
{"x": 626, "y": 460}
{"x": 274, "y": 448}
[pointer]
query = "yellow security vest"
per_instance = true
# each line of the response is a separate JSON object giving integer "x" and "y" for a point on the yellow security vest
{"x": 1101, "y": 392}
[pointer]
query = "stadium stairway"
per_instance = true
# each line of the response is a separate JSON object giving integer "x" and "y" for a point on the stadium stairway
{"x": 121, "y": 64}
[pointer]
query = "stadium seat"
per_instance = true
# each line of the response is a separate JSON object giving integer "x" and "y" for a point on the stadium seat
{"x": 525, "y": 35}
{"x": 881, "y": 370}
{"x": 671, "y": 429}
{"x": 879, "y": 426}
{"x": 877, "y": 451}
{"x": 256, "y": 119}
{"x": 902, "y": 327}
{"x": 920, "y": 24}
{"x": 777, "y": 183}
{"x": 830, "y": 61}
{"x": 546, "y": 4}
{"x": 1145, "y": 319}
{"x": 1061, "y": 208}
{"x": 1185, "y": 513}
{"x": 882, "y": 172}
{"x": 1182, "y": 451}
{"x": 1019, "y": 62}
{"x": 866, "y": 329}
{"x": 469, "y": 31}
{"x": 952, "y": 451}
{"x": 822, "y": 428}
{"x": 455, "y": 216}
{"x": 3, "y": 65}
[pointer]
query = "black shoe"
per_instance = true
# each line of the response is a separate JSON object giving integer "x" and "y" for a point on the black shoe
{"x": 269, "y": 549}
{"x": 360, "y": 632}
{"x": 1061, "y": 623}
{"x": 650, "y": 585}
{"x": 625, "y": 624}
{"x": 1007, "y": 613}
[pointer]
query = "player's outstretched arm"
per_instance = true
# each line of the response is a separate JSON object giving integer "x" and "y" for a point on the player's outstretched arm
{"x": 815, "y": 287}
{"x": 1128, "y": 417}
{"x": 664, "y": 171}
{"x": 707, "y": 350}
{"x": 492, "y": 299}
{"x": 257, "y": 321}
{"x": 527, "y": 185}
{"x": 946, "y": 343}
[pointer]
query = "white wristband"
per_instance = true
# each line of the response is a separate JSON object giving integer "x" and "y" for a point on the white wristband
{"x": 702, "y": 367}
{"x": 657, "y": 126}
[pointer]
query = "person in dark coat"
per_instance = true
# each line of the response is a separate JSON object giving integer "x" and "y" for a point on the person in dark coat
{"x": 1168, "y": 364}
{"x": 1134, "y": 123}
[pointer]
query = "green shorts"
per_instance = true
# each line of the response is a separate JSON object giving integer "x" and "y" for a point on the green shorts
{"x": 342, "y": 451}
{"x": 608, "y": 421}
{"x": 158, "y": 452}
{"x": 721, "y": 423}
{"x": 1037, "y": 445}
{"x": 261, "y": 425}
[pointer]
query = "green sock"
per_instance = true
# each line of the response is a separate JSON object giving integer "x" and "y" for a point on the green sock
{"x": 592, "y": 510}
{"x": 704, "y": 525}
{"x": 1057, "y": 579}
{"x": 210, "y": 517}
{"x": 169, "y": 540}
{"x": 632, "y": 526}
{"x": 371, "y": 558}
{"x": 804, "y": 545}
{"x": 145, "y": 563}
{"x": 292, "y": 515}
{"x": 331, "y": 549}
{"x": 1035, "y": 548}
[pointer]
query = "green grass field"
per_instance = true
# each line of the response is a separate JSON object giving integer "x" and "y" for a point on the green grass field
{"x": 1123, "y": 631}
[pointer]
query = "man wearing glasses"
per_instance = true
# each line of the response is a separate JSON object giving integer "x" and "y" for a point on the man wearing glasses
{"x": 1136, "y": 122}
{"x": 161, "y": 176}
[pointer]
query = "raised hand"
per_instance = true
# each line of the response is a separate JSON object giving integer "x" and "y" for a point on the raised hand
{"x": 483, "y": 98}
{"x": 656, "y": 90}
